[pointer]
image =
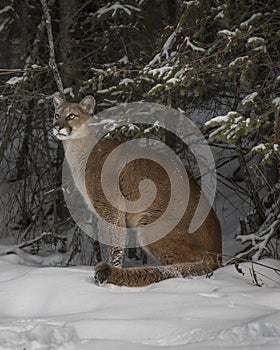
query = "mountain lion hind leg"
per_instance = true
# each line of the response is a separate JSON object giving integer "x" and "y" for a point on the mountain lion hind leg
{"x": 181, "y": 255}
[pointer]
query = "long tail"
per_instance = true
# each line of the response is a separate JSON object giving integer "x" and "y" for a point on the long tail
{"x": 143, "y": 276}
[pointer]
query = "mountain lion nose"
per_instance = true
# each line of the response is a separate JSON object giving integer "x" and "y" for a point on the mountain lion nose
{"x": 58, "y": 126}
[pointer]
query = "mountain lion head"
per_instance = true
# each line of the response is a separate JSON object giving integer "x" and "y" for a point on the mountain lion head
{"x": 69, "y": 118}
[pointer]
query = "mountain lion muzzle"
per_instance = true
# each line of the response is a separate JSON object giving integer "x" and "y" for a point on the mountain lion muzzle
{"x": 180, "y": 252}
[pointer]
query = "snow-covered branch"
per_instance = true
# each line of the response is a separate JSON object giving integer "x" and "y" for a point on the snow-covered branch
{"x": 258, "y": 242}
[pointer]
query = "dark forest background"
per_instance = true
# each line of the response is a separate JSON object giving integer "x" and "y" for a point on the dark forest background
{"x": 205, "y": 58}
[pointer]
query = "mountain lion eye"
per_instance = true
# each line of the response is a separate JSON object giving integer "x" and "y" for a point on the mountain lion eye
{"x": 71, "y": 117}
{"x": 56, "y": 116}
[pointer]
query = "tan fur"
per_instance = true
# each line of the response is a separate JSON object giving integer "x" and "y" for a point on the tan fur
{"x": 182, "y": 254}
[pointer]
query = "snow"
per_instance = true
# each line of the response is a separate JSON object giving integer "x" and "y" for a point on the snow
{"x": 155, "y": 88}
{"x": 218, "y": 120}
{"x": 116, "y": 7}
{"x": 260, "y": 48}
{"x": 229, "y": 33}
{"x": 254, "y": 16}
{"x": 173, "y": 81}
{"x": 228, "y": 125}
{"x": 220, "y": 15}
{"x": 238, "y": 60}
{"x": 62, "y": 309}
{"x": 167, "y": 45}
{"x": 260, "y": 147}
{"x": 160, "y": 71}
{"x": 180, "y": 73}
{"x": 192, "y": 46}
{"x": 249, "y": 98}
{"x": 276, "y": 102}
{"x": 14, "y": 80}
{"x": 156, "y": 59}
{"x": 190, "y": 3}
{"x": 247, "y": 122}
{"x": 69, "y": 91}
{"x": 155, "y": 126}
{"x": 255, "y": 39}
{"x": 124, "y": 60}
{"x": 126, "y": 81}
{"x": 217, "y": 132}
{"x": 6, "y": 9}
{"x": 221, "y": 119}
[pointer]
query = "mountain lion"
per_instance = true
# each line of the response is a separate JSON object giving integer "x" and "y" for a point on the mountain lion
{"x": 180, "y": 252}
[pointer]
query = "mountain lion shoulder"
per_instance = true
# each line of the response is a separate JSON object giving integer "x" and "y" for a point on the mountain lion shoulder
{"x": 180, "y": 252}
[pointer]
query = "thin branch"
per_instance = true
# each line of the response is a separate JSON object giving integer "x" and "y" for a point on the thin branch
{"x": 52, "y": 61}
{"x": 22, "y": 70}
{"x": 233, "y": 259}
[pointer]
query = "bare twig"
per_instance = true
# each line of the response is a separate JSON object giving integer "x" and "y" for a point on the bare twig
{"x": 235, "y": 260}
{"x": 52, "y": 61}
{"x": 254, "y": 276}
{"x": 22, "y": 70}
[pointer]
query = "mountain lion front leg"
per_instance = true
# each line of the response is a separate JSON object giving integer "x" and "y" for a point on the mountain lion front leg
{"x": 114, "y": 236}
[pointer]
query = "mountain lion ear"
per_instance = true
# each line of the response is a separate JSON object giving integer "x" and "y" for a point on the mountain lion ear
{"x": 88, "y": 104}
{"x": 57, "y": 101}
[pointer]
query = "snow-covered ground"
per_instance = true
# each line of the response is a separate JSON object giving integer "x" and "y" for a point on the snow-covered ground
{"x": 61, "y": 308}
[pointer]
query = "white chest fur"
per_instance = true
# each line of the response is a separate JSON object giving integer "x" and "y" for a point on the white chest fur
{"x": 77, "y": 152}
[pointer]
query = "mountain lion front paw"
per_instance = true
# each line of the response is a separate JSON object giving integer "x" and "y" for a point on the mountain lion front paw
{"x": 102, "y": 272}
